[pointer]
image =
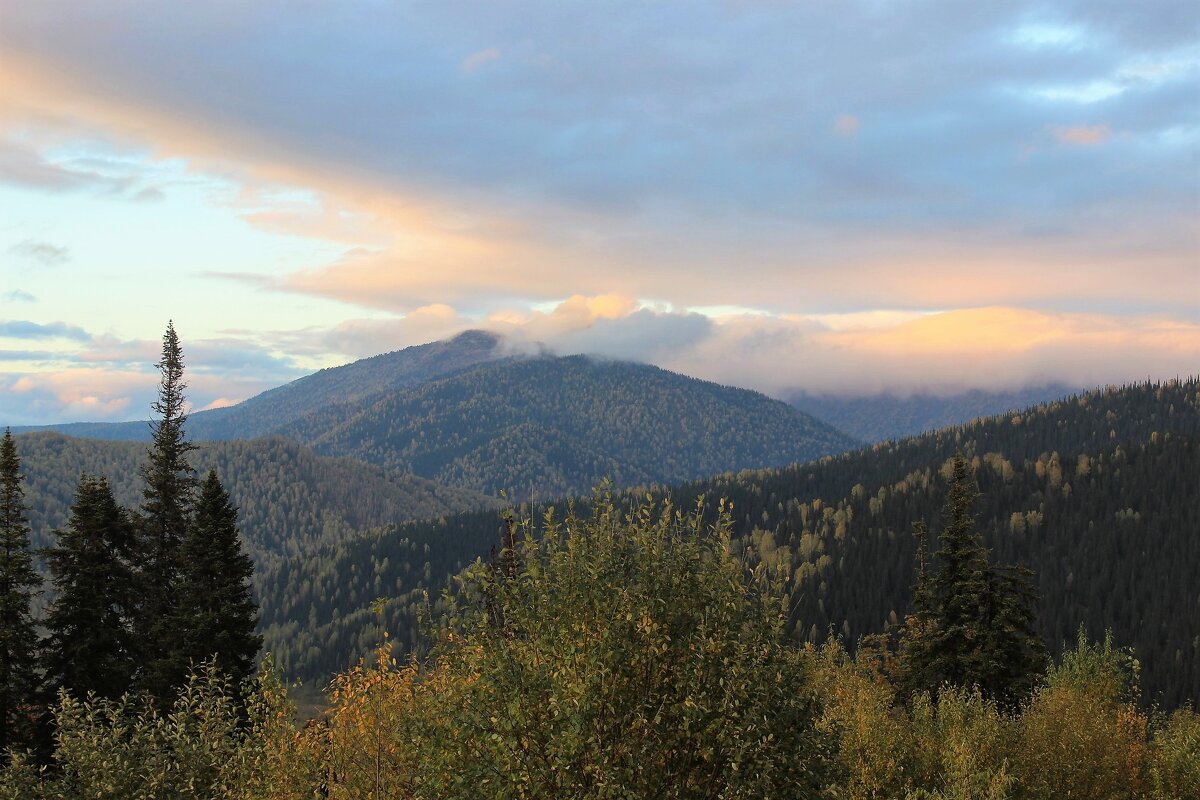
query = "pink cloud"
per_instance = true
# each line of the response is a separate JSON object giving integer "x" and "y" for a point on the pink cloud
{"x": 1085, "y": 135}
{"x": 475, "y": 60}
{"x": 846, "y": 125}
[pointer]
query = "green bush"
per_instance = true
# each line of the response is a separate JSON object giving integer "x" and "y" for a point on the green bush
{"x": 624, "y": 656}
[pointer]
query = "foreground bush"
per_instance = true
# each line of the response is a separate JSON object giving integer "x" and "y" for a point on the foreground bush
{"x": 624, "y": 656}
{"x": 209, "y": 745}
{"x": 1079, "y": 736}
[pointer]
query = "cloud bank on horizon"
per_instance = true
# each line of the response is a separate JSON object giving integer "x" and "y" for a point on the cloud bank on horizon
{"x": 840, "y": 197}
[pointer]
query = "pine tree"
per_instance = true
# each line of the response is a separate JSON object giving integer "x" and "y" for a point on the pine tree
{"x": 170, "y": 484}
{"x": 216, "y": 609}
{"x": 90, "y": 642}
{"x": 19, "y": 583}
{"x": 973, "y": 624}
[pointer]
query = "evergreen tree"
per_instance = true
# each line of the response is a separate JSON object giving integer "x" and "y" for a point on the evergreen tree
{"x": 917, "y": 657}
{"x": 18, "y": 585}
{"x": 217, "y": 612}
{"x": 90, "y": 642}
{"x": 973, "y": 624}
{"x": 170, "y": 483}
{"x": 960, "y": 585}
{"x": 1016, "y": 653}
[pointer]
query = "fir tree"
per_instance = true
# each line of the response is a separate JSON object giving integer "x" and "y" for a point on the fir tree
{"x": 19, "y": 583}
{"x": 90, "y": 642}
{"x": 973, "y": 624}
{"x": 217, "y": 612}
{"x": 170, "y": 484}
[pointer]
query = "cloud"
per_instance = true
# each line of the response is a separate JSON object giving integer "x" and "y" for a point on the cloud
{"x": 18, "y": 296}
{"x": 1081, "y": 134}
{"x": 846, "y": 125}
{"x": 41, "y": 253}
{"x": 646, "y": 152}
{"x": 983, "y": 348}
{"x": 480, "y": 57}
{"x": 24, "y": 329}
{"x": 367, "y": 337}
{"x": 26, "y": 355}
{"x": 24, "y": 166}
{"x": 631, "y": 161}
{"x": 74, "y": 390}
{"x": 73, "y": 395}
{"x": 859, "y": 353}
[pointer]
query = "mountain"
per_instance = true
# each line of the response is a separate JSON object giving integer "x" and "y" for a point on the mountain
{"x": 458, "y": 413}
{"x": 266, "y": 413}
{"x": 551, "y": 426}
{"x": 877, "y": 418}
{"x": 291, "y": 499}
{"x": 1098, "y": 493}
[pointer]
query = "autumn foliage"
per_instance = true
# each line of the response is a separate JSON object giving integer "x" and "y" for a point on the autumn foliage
{"x": 631, "y": 652}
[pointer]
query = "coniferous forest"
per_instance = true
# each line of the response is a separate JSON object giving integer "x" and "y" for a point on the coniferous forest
{"x": 1097, "y": 494}
{"x": 1002, "y": 609}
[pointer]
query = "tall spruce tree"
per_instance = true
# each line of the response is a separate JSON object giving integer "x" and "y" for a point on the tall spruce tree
{"x": 90, "y": 646}
{"x": 167, "y": 499}
{"x": 973, "y": 624}
{"x": 19, "y": 583}
{"x": 216, "y": 610}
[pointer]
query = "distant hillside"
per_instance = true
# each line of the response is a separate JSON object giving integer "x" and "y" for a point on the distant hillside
{"x": 266, "y": 413}
{"x": 552, "y": 426}
{"x": 457, "y": 413}
{"x": 877, "y": 418}
{"x": 1099, "y": 494}
{"x": 291, "y": 499}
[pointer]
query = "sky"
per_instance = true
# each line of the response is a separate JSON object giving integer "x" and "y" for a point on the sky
{"x": 837, "y": 196}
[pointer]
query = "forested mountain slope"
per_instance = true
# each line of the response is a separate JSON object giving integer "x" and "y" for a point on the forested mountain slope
{"x": 291, "y": 499}
{"x": 876, "y": 418}
{"x": 1099, "y": 494}
{"x": 551, "y": 426}
{"x": 266, "y": 413}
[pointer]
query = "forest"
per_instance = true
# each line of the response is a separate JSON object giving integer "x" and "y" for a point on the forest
{"x": 638, "y": 653}
{"x": 290, "y": 498}
{"x": 1097, "y": 493}
{"x": 999, "y": 610}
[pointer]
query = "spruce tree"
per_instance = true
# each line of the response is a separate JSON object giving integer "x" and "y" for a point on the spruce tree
{"x": 90, "y": 643}
{"x": 960, "y": 586}
{"x": 170, "y": 484}
{"x": 1016, "y": 653}
{"x": 973, "y": 624}
{"x": 216, "y": 608}
{"x": 19, "y": 583}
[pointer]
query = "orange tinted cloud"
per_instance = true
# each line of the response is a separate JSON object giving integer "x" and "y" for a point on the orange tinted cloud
{"x": 475, "y": 60}
{"x": 988, "y": 348}
{"x": 410, "y": 247}
{"x": 900, "y": 352}
{"x": 1081, "y": 134}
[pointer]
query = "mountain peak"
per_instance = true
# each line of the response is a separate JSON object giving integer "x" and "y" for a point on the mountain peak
{"x": 476, "y": 337}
